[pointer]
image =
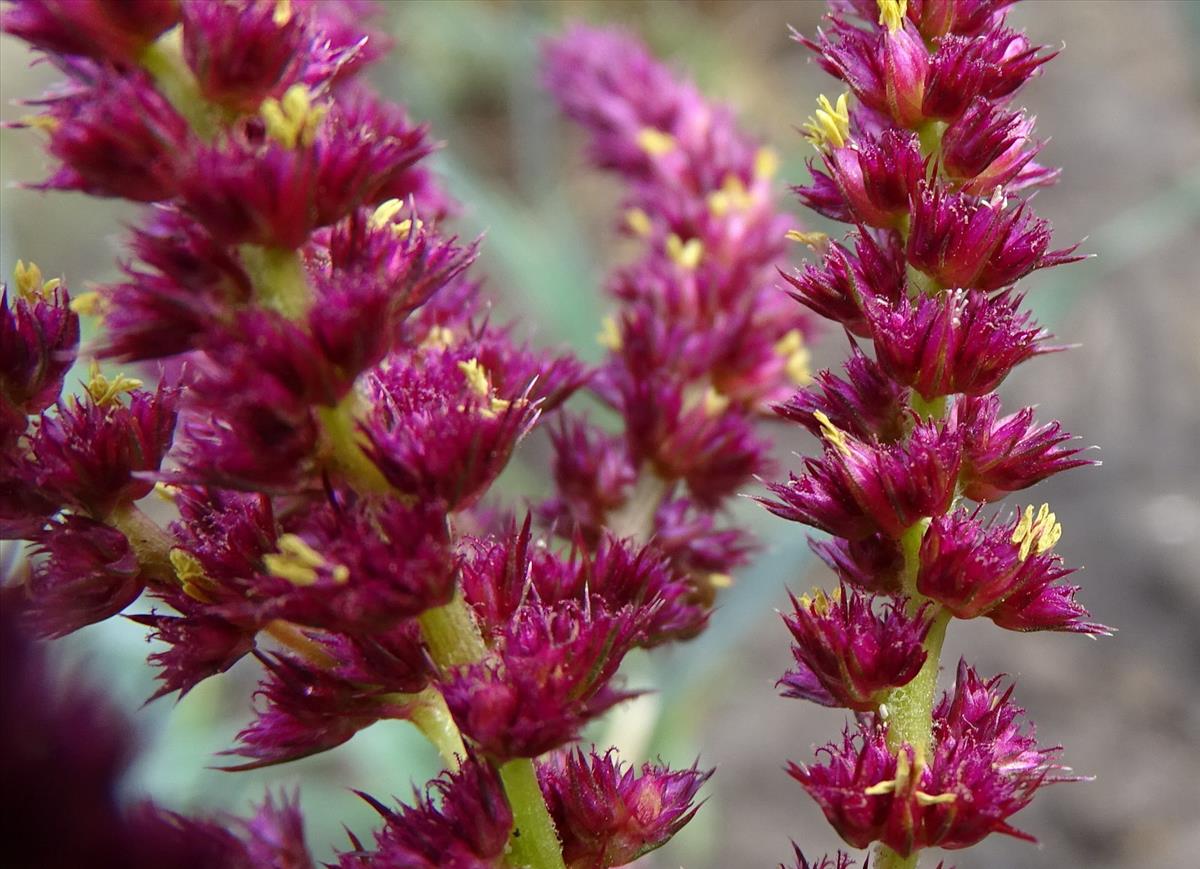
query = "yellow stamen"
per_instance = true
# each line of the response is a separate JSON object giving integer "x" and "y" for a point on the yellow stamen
{"x": 924, "y": 799}
{"x": 796, "y": 357}
{"x": 833, "y": 435}
{"x": 384, "y": 213}
{"x": 438, "y": 338}
{"x": 476, "y": 376}
{"x": 685, "y": 254}
{"x": 166, "y": 491}
{"x": 44, "y": 123}
{"x": 191, "y": 575}
{"x": 891, "y": 13}
{"x": 829, "y": 125}
{"x": 1036, "y": 534}
{"x": 639, "y": 222}
{"x": 720, "y": 580}
{"x": 30, "y": 285}
{"x": 297, "y": 562}
{"x": 104, "y": 391}
{"x": 283, "y": 12}
{"x": 766, "y": 163}
{"x": 294, "y": 120}
{"x": 815, "y": 240}
{"x": 714, "y": 402}
{"x": 610, "y": 334}
{"x": 655, "y": 142}
{"x": 732, "y": 196}
{"x": 87, "y": 304}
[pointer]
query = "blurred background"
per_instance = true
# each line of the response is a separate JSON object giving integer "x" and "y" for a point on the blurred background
{"x": 1122, "y": 106}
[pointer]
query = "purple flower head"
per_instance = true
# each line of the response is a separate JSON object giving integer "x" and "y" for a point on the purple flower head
{"x": 242, "y": 52}
{"x": 184, "y": 284}
{"x": 841, "y": 285}
{"x": 871, "y": 182}
{"x": 691, "y": 538}
{"x": 962, "y": 241}
{"x": 93, "y": 452}
{"x": 550, "y": 677}
{"x": 988, "y": 147}
{"x": 1006, "y": 571}
{"x": 199, "y": 645}
{"x": 39, "y": 336}
{"x": 1006, "y": 454}
{"x": 860, "y": 488}
{"x": 872, "y": 564}
{"x": 592, "y": 473}
{"x": 307, "y": 165}
{"x": 307, "y": 710}
{"x": 849, "y": 655}
{"x": 983, "y": 768}
{"x": 608, "y": 815}
{"x": 88, "y": 573}
{"x": 227, "y": 534}
{"x": 961, "y": 341}
{"x": 840, "y": 860}
{"x": 358, "y": 568}
{"x": 250, "y": 447}
{"x": 370, "y": 273}
{"x": 867, "y": 404}
{"x": 468, "y": 828}
{"x": 115, "y": 135}
{"x": 440, "y": 427}
{"x": 103, "y": 29}
{"x": 615, "y": 576}
{"x": 993, "y": 65}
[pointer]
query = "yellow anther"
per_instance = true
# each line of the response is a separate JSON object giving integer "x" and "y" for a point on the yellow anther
{"x": 1036, "y": 534}
{"x": 891, "y": 13}
{"x": 104, "y": 391}
{"x": 732, "y": 196}
{"x": 816, "y": 240}
{"x": 610, "y": 334}
{"x": 30, "y": 285}
{"x": 924, "y": 799}
{"x": 766, "y": 163}
{"x": 283, "y": 12}
{"x": 438, "y": 338}
{"x": 829, "y": 125}
{"x": 498, "y": 405}
{"x": 655, "y": 142}
{"x": 796, "y": 357}
{"x": 476, "y": 376}
{"x": 297, "y": 562}
{"x": 45, "y": 123}
{"x": 685, "y": 254}
{"x": 833, "y": 435}
{"x": 638, "y": 222}
{"x": 819, "y": 601}
{"x": 190, "y": 574}
{"x": 166, "y": 491}
{"x": 87, "y": 304}
{"x": 384, "y": 213}
{"x": 294, "y": 120}
{"x": 720, "y": 580}
{"x": 714, "y": 402}
{"x": 883, "y": 787}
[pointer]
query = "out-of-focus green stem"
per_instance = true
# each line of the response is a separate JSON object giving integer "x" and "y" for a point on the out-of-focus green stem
{"x": 149, "y": 542}
{"x": 432, "y": 717}
{"x": 452, "y": 635}
{"x": 533, "y": 843}
{"x": 635, "y": 518}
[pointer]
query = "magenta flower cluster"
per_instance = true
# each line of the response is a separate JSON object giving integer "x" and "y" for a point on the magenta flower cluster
{"x": 926, "y": 160}
{"x": 309, "y": 487}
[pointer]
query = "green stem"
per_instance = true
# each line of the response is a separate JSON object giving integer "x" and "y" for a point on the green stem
{"x": 452, "y": 635}
{"x": 635, "y": 518}
{"x": 534, "y": 843}
{"x": 432, "y": 717}
{"x": 164, "y": 61}
{"x": 149, "y": 542}
{"x": 279, "y": 279}
{"x": 344, "y": 452}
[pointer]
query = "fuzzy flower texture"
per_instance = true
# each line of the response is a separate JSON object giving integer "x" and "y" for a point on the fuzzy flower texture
{"x": 308, "y": 485}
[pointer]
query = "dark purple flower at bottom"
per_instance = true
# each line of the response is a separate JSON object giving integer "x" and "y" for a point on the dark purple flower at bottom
{"x": 467, "y": 829}
{"x": 608, "y": 815}
{"x": 983, "y": 767}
